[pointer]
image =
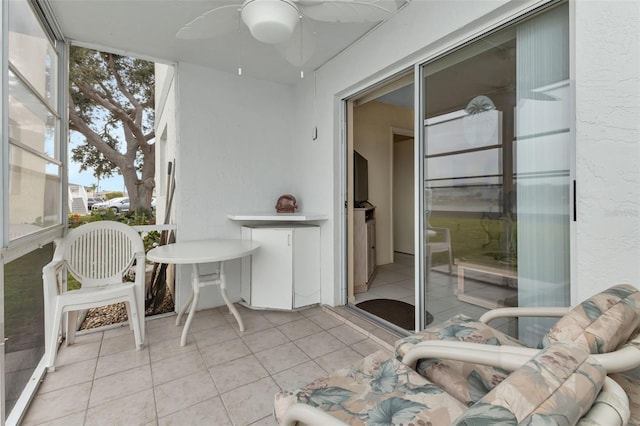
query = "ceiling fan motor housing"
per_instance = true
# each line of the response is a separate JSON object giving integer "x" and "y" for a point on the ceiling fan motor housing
{"x": 270, "y": 21}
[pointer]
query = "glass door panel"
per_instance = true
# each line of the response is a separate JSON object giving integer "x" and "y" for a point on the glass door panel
{"x": 496, "y": 172}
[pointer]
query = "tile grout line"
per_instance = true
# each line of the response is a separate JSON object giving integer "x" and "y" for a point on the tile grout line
{"x": 342, "y": 319}
{"x": 370, "y": 335}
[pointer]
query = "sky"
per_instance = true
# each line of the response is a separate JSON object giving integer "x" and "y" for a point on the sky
{"x": 86, "y": 178}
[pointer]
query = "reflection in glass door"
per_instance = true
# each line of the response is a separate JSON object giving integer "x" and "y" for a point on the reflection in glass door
{"x": 497, "y": 149}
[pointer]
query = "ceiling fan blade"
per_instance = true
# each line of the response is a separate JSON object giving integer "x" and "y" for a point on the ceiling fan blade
{"x": 217, "y": 21}
{"x": 346, "y": 11}
{"x": 299, "y": 48}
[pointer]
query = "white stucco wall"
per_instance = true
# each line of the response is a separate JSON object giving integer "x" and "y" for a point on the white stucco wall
{"x": 165, "y": 129}
{"x": 234, "y": 155}
{"x": 607, "y": 81}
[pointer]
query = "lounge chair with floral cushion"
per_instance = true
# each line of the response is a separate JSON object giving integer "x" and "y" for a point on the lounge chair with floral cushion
{"x": 630, "y": 383}
{"x": 607, "y": 325}
{"x": 561, "y": 384}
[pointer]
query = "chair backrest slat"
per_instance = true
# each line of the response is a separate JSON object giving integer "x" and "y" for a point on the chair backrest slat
{"x": 100, "y": 253}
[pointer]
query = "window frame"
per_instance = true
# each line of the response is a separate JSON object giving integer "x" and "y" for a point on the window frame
{"x": 45, "y": 17}
{"x": 11, "y": 250}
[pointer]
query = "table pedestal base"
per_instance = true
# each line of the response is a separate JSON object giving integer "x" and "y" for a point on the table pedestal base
{"x": 201, "y": 280}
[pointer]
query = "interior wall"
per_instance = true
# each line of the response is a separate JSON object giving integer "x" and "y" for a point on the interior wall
{"x": 316, "y": 180}
{"x": 372, "y": 128}
{"x": 234, "y": 155}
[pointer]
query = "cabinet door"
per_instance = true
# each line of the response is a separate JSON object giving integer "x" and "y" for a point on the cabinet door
{"x": 272, "y": 269}
{"x": 306, "y": 266}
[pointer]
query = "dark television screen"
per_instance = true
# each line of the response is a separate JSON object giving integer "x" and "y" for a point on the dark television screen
{"x": 360, "y": 179}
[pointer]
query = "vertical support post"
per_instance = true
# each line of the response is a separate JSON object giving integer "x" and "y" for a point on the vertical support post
{"x": 4, "y": 182}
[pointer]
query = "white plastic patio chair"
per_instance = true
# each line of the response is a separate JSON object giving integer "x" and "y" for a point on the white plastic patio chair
{"x": 98, "y": 255}
{"x": 437, "y": 239}
{"x": 441, "y": 245}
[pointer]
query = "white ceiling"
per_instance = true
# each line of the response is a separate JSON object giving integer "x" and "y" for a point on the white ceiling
{"x": 147, "y": 28}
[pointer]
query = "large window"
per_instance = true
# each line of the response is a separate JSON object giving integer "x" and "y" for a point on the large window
{"x": 32, "y": 212}
{"x": 34, "y": 122}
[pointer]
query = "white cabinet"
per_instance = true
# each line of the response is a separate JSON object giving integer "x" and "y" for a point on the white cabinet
{"x": 364, "y": 247}
{"x": 285, "y": 271}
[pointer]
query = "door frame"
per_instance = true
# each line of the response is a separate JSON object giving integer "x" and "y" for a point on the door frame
{"x": 409, "y": 133}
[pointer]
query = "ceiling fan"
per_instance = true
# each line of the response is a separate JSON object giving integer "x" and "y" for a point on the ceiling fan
{"x": 275, "y": 21}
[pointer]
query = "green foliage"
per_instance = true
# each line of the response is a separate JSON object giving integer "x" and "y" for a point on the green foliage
{"x": 72, "y": 283}
{"x": 141, "y": 217}
{"x": 151, "y": 240}
{"x": 112, "y": 195}
{"x": 469, "y": 240}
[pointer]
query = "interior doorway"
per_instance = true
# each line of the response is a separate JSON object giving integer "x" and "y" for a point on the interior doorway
{"x": 381, "y": 211}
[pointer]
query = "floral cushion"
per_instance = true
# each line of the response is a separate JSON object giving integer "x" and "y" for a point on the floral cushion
{"x": 465, "y": 381}
{"x": 601, "y": 323}
{"x": 556, "y": 387}
{"x": 377, "y": 390}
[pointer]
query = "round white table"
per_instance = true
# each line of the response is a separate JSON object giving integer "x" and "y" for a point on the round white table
{"x": 195, "y": 253}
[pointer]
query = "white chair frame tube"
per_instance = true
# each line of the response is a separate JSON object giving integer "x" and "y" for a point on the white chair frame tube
{"x": 508, "y": 357}
{"x": 505, "y": 357}
{"x": 308, "y": 415}
{"x": 555, "y": 312}
{"x": 620, "y": 360}
{"x": 611, "y": 407}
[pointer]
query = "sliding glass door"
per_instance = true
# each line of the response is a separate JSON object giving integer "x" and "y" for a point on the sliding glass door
{"x": 496, "y": 173}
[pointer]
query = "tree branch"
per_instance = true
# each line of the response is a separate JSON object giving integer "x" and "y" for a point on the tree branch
{"x": 88, "y": 91}
{"x": 132, "y": 123}
{"x": 120, "y": 84}
{"x": 77, "y": 123}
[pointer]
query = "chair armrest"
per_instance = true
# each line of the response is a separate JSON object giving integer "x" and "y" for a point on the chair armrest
{"x": 611, "y": 407}
{"x": 623, "y": 359}
{"x": 141, "y": 263}
{"x": 555, "y": 312}
{"x": 49, "y": 278}
{"x": 52, "y": 268}
{"x": 505, "y": 357}
{"x": 308, "y": 415}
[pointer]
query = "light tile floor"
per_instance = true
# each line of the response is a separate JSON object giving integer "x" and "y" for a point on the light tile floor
{"x": 396, "y": 281}
{"x": 221, "y": 377}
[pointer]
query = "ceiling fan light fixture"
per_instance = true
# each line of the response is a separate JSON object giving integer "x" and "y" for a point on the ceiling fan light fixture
{"x": 270, "y": 21}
